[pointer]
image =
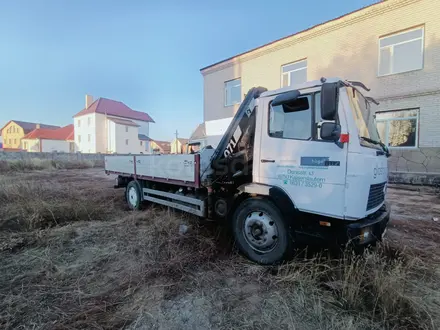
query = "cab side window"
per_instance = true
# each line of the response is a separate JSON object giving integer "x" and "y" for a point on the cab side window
{"x": 292, "y": 120}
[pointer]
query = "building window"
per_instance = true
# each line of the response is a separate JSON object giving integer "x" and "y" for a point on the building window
{"x": 141, "y": 143}
{"x": 401, "y": 52}
{"x": 15, "y": 141}
{"x": 88, "y": 138}
{"x": 126, "y": 142}
{"x": 79, "y": 122}
{"x": 79, "y": 138}
{"x": 232, "y": 92}
{"x": 25, "y": 145}
{"x": 398, "y": 128}
{"x": 10, "y": 141}
{"x": 89, "y": 121}
{"x": 294, "y": 73}
{"x": 126, "y": 129}
{"x": 292, "y": 120}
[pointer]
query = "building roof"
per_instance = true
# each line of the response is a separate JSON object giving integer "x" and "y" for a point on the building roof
{"x": 28, "y": 126}
{"x": 114, "y": 108}
{"x": 123, "y": 122}
{"x": 63, "y": 133}
{"x": 199, "y": 132}
{"x": 182, "y": 140}
{"x": 143, "y": 137}
{"x": 291, "y": 35}
{"x": 164, "y": 145}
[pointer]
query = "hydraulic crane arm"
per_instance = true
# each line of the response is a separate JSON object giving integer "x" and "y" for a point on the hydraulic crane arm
{"x": 237, "y": 142}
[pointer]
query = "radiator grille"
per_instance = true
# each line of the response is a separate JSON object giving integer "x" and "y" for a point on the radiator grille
{"x": 376, "y": 195}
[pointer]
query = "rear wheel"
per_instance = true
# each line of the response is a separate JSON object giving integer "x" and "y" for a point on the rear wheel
{"x": 133, "y": 195}
{"x": 260, "y": 231}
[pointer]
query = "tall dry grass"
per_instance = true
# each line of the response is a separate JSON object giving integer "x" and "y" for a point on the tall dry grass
{"x": 34, "y": 204}
{"x": 59, "y": 268}
{"x": 8, "y": 166}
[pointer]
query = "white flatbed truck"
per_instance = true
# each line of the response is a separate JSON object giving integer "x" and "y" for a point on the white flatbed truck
{"x": 298, "y": 163}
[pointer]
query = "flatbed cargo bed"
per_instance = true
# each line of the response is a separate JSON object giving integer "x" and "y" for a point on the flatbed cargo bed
{"x": 181, "y": 169}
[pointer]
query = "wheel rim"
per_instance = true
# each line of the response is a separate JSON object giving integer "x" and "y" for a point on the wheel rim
{"x": 260, "y": 232}
{"x": 133, "y": 197}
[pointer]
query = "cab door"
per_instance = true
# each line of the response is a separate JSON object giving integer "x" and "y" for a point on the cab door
{"x": 292, "y": 156}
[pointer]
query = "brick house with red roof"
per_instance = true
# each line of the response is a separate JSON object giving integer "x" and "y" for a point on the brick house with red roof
{"x": 14, "y": 130}
{"x": 49, "y": 140}
{"x": 109, "y": 126}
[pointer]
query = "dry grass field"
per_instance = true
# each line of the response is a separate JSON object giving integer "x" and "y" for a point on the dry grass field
{"x": 73, "y": 257}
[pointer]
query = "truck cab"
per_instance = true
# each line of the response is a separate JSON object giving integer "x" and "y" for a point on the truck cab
{"x": 327, "y": 166}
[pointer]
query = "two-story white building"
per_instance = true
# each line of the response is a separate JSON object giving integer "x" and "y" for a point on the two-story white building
{"x": 392, "y": 46}
{"x": 109, "y": 126}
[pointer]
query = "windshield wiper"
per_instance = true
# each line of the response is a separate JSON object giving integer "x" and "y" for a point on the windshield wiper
{"x": 383, "y": 146}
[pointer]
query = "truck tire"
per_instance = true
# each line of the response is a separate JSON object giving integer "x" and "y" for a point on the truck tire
{"x": 133, "y": 195}
{"x": 261, "y": 233}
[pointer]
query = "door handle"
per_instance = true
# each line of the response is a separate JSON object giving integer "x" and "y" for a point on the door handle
{"x": 268, "y": 161}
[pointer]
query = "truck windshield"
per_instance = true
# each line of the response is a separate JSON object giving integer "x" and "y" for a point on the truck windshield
{"x": 364, "y": 118}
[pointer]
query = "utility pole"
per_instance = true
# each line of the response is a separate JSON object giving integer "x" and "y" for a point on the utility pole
{"x": 177, "y": 142}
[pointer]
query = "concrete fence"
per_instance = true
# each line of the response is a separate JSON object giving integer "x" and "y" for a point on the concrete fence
{"x": 60, "y": 156}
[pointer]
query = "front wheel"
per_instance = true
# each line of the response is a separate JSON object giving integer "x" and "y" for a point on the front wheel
{"x": 260, "y": 231}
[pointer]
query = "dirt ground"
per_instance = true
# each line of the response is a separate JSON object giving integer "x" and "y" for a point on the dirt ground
{"x": 73, "y": 257}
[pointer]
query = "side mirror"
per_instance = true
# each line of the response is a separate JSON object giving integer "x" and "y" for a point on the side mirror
{"x": 330, "y": 131}
{"x": 329, "y": 100}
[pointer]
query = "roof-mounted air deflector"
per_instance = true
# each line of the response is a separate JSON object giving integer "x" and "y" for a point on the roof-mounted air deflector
{"x": 286, "y": 97}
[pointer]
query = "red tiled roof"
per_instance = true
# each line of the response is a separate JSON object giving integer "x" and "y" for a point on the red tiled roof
{"x": 114, "y": 108}
{"x": 63, "y": 133}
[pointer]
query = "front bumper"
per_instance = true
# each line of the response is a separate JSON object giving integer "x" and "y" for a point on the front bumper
{"x": 369, "y": 229}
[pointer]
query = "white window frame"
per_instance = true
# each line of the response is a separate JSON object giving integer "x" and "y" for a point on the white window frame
{"x": 288, "y": 72}
{"x": 225, "y": 91}
{"x": 79, "y": 122}
{"x": 387, "y": 130}
{"x": 400, "y": 43}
